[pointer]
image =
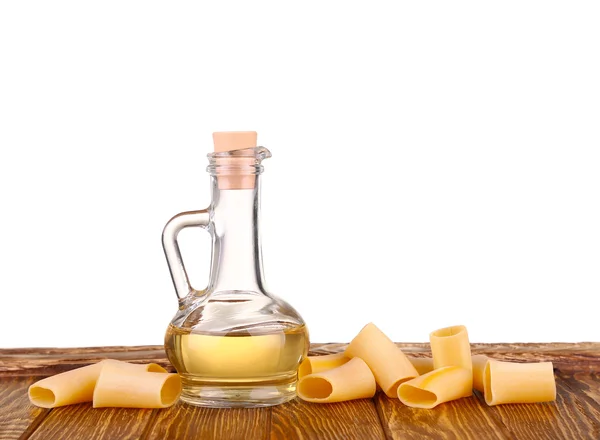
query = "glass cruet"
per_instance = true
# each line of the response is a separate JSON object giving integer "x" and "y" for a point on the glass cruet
{"x": 234, "y": 344}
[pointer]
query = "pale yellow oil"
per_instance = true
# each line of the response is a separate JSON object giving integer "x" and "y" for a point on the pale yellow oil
{"x": 245, "y": 364}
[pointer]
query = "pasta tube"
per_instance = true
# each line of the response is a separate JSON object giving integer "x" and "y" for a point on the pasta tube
{"x": 435, "y": 387}
{"x": 150, "y": 368}
{"x": 73, "y": 386}
{"x": 353, "y": 380}
{"x": 387, "y": 362}
{"x": 422, "y": 365}
{"x": 127, "y": 388}
{"x": 317, "y": 364}
{"x": 479, "y": 361}
{"x": 510, "y": 382}
{"x": 450, "y": 347}
{"x": 77, "y": 385}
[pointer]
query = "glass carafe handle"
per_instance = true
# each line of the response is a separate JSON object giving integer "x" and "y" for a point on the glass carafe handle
{"x": 171, "y": 247}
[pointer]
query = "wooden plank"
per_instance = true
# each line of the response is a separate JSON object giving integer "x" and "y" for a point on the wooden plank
{"x": 190, "y": 422}
{"x": 577, "y": 357}
{"x": 464, "y": 419}
{"x": 297, "y": 419}
{"x": 18, "y": 417}
{"x": 567, "y": 418}
{"x": 50, "y": 361}
{"x": 82, "y": 422}
{"x": 583, "y": 356}
{"x": 586, "y": 383}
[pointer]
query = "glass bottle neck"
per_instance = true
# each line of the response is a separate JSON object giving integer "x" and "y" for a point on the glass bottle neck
{"x": 236, "y": 263}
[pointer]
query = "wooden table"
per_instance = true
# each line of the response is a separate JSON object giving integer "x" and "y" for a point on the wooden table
{"x": 574, "y": 415}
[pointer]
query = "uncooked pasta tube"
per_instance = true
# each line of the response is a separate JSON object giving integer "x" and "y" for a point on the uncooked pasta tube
{"x": 438, "y": 386}
{"x": 387, "y": 362}
{"x": 77, "y": 385}
{"x": 126, "y": 388}
{"x": 73, "y": 386}
{"x": 151, "y": 367}
{"x": 317, "y": 364}
{"x": 510, "y": 382}
{"x": 422, "y": 365}
{"x": 450, "y": 347}
{"x": 479, "y": 361}
{"x": 353, "y": 380}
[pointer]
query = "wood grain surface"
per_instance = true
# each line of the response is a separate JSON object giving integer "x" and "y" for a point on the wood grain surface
{"x": 567, "y": 418}
{"x": 18, "y": 416}
{"x": 586, "y": 383}
{"x": 83, "y": 422}
{"x": 466, "y": 418}
{"x": 575, "y": 414}
{"x": 188, "y": 422}
{"x": 356, "y": 419}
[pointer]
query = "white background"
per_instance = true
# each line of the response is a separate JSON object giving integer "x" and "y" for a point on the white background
{"x": 434, "y": 163}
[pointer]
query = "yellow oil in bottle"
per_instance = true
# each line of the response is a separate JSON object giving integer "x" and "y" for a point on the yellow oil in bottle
{"x": 250, "y": 368}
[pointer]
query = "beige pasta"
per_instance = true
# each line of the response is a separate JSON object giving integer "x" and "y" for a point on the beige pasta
{"x": 450, "y": 347}
{"x": 73, "y": 386}
{"x": 479, "y": 361}
{"x": 387, "y": 362}
{"x": 127, "y": 388}
{"x": 317, "y": 364}
{"x": 510, "y": 382}
{"x": 352, "y": 380}
{"x": 77, "y": 385}
{"x": 438, "y": 386}
{"x": 151, "y": 367}
{"x": 422, "y": 365}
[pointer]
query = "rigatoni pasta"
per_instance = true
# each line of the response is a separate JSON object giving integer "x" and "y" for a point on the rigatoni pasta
{"x": 149, "y": 368}
{"x": 317, "y": 364}
{"x": 511, "y": 382}
{"x": 77, "y": 386}
{"x": 387, "y": 362}
{"x": 352, "y": 380}
{"x": 73, "y": 386}
{"x": 126, "y": 388}
{"x": 450, "y": 347}
{"x": 479, "y": 361}
{"x": 435, "y": 387}
{"x": 456, "y": 372}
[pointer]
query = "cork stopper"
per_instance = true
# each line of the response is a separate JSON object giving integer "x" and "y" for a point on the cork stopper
{"x": 237, "y": 175}
{"x": 233, "y": 140}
